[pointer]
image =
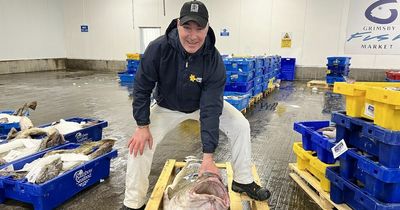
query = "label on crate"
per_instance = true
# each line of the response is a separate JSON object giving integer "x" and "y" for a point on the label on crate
{"x": 369, "y": 110}
{"x": 339, "y": 148}
{"x": 81, "y": 137}
{"x": 82, "y": 177}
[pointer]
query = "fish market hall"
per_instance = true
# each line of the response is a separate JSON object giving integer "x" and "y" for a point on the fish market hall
{"x": 199, "y": 105}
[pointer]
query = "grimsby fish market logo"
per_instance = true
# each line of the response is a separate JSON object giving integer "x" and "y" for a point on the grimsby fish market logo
{"x": 82, "y": 177}
{"x": 81, "y": 137}
{"x": 378, "y": 5}
{"x": 382, "y": 34}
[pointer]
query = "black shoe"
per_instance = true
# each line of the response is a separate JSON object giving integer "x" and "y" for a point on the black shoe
{"x": 127, "y": 208}
{"x": 252, "y": 190}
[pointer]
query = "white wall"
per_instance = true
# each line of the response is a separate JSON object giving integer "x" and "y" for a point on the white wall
{"x": 110, "y": 35}
{"x": 51, "y": 28}
{"x": 31, "y": 29}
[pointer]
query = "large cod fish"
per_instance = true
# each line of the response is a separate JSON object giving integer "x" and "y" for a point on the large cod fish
{"x": 189, "y": 191}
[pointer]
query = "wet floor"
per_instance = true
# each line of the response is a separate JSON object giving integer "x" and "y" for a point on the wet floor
{"x": 94, "y": 94}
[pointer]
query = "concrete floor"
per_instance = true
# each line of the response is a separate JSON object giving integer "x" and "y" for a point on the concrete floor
{"x": 94, "y": 94}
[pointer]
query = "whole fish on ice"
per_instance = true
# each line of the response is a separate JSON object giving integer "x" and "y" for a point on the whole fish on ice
{"x": 27, "y": 142}
{"x": 66, "y": 127}
{"x": 57, "y": 162}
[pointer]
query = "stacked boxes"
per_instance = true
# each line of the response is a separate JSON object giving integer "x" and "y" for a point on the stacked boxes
{"x": 240, "y": 74}
{"x": 133, "y": 61}
{"x": 369, "y": 172}
{"x": 247, "y": 77}
{"x": 338, "y": 69}
{"x": 314, "y": 152}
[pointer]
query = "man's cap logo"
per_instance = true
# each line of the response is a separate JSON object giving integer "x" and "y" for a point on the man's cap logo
{"x": 194, "y": 8}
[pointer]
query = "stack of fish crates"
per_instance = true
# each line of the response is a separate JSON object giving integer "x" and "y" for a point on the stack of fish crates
{"x": 314, "y": 153}
{"x": 369, "y": 173}
{"x": 274, "y": 69}
{"x": 133, "y": 61}
{"x": 338, "y": 69}
{"x": 240, "y": 76}
{"x": 55, "y": 191}
{"x": 259, "y": 79}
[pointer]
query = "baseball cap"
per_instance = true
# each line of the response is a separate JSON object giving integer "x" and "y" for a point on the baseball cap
{"x": 194, "y": 11}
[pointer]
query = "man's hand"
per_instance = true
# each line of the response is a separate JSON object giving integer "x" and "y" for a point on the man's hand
{"x": 208, "y": 165}
{"x": 139, "y": 139}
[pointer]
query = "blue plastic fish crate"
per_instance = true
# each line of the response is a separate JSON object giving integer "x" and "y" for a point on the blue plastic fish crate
{"x": 260, "y": 62}
{"x": 264, "y": 86}
{"x": 59, "y": 189}
{"x": 91, "y": 133}
{"x": 379, "y": 181}
{"x": 126, "y": 77}
{"x": 370, "y": 138}
{"x": 259, "y": 72}
{"x": 333, "y": 79}
{"x": 239, "y": 102}
{"x": 242, "y": 87}
{"x": 237, "y": 76}
{"x": 288, "y": 64}
{"x": 338, "y": 61}
{"x": 267, "y": 77}
{"x": 239, "y": 64}
{"x": 337, "y": 68}
{"x": 322, "y": 145}
{"x": 306, "y": 129}
{"x": 232, "y": 93}
{"x": 343, "y": 191}
{"x": 6, "y": 127}
{"x": 257, "y": 89}
{"x": 133, "y": 63}
{"x": 258, "y": 80}
{"x": 266, "y": 71}
{"x": 287, "y": 75}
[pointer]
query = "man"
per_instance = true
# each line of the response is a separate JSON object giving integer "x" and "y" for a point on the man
{"x": 190, "y": 77}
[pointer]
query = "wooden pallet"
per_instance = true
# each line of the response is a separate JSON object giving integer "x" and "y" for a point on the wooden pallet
{"x": 318, "y": 84}
{"x": 258, "y": 97}
{"x": 311, "y": 186}
{"x": 252, "y": 102}
{"x": 168, "y": 173}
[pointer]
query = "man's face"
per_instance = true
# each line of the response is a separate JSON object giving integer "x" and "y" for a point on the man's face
{"x": 192, "y": 36}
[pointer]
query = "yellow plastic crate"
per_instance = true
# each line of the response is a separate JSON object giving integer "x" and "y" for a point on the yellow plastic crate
{"x": 306, "y": 161}
{"x": 355, "y": 97}
{"x": 133, "y": 56}
{"x": 271, "y": 82}
{"x": 381, "y": 105}
{"x": 386, "y": 103}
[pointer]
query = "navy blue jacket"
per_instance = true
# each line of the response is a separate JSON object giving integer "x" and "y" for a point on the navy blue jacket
{"x": 184, "y": 82}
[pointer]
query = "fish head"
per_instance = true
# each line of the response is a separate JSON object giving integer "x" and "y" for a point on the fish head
{"x": 211, "y": 191}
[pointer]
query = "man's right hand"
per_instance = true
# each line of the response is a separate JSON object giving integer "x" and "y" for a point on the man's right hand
{"x": 139, "y": 139}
